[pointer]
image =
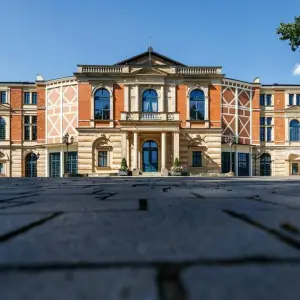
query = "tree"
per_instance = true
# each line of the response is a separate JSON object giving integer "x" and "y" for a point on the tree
{"x": 291, "y": 32}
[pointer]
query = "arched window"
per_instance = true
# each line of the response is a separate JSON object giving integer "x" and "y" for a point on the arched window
{"x": 150, "y": 101}
{"x": 102, "y": 104}
{"x": 197, "y": 105}
{"x": 294, "y": 130}
{"x": 2, "y": 129}
{"x": 30, "y": 165}
{"x": 265, "y": 164}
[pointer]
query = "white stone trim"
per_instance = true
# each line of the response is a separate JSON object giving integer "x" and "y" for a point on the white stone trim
{"x": 204, "y": 89}
{"x": 110, "y": 89}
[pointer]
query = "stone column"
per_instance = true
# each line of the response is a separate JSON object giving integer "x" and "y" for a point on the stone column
{"x": 137, "y": 98}
{"x": 164, "y": 171}
{"x": 162, "y": 100}
{"x": 135, "y": 170}
{"x": 126, "y": 98}
{"x": 124, "y": 145}
{"x": 176, "y": 146}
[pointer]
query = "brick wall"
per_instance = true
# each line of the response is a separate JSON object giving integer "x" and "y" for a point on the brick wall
{"x": 41, "y": 114}
{"x": 118, "y": 101}
{"x": 181, "y": 103}
{"x": 84, "y": 104}
{"x": 255, "y": 116}
{"x": 215, "y": 106}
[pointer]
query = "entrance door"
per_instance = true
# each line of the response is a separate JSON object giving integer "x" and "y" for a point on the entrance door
{"x": 30, "y": 165}
{"x": 265, "y": 164}
{"x": 55, "y": 164}
{"x": 243, "y": 164}
{"x": 150, "y": 157}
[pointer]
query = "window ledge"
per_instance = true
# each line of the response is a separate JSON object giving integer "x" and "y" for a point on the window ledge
{"x": 103, "y": 168}
{"x": 197, "y": 121}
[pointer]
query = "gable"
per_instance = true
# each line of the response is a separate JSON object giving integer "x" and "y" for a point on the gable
{"x": 156, "y": 59}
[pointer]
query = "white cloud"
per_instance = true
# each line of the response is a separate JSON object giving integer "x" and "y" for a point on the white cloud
{"x": 296, "y": 70}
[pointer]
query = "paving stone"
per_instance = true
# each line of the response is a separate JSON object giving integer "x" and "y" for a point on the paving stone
{"x": 247, "y": 282}
{"x": 127, "y": 284}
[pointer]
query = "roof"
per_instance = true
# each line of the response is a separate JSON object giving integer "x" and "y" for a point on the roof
{"x": 133, "y": 59}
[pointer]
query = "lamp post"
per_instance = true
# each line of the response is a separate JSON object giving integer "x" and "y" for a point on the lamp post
{"x": 255, "y": 155}
{"x": 67, "y": 141}
{"x": 230, "y": 140}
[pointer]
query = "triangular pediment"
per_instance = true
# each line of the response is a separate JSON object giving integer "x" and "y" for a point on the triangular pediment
{"x": 156, "y": 58}
{"x": 294, "y": 108}
{"x": 148, "y": 71}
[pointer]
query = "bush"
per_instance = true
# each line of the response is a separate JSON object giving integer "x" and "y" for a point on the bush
{"x": 124, "y": 166}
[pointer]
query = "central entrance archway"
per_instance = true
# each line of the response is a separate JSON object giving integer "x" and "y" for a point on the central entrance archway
{"x": 150, "y": 156}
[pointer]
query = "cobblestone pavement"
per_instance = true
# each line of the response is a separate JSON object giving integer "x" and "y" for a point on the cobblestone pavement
{"x": 150, "y": 238}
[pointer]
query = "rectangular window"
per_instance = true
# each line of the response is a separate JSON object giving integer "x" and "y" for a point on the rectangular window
{"x": 30, "y": 128}
{"x": 262, "y": 133}
{"x": 34, "y": 98}
{"x": 3, "y": 97}
{"x": 26, "y": 98}
{"x": 262, "y": 99}
{"x": 269, "y": 134}
{"x": 291, "y": 99}
{"x": 197, "y": 159}
{"x": 1, "y": 168}
{"x": 102, "y": 159}
{"x": 266, "y": 129}
{"x": 298, "y": 99}
{"x": 262, "y": 121}
{"x": 295, "y": 169}
{"x": 268, "y": 99}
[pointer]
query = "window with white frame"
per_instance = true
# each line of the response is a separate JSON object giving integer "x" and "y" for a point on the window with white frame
{"x": 30, "y": 98}
{"x": 3, "y": 97}
{"x": 265, "y": 99}
{"x": 30, "y": 128}
{"x": 102, "y": 158}
{"x": 266, "y": 129}
{"x": 2, "y": 170}
{"x": 294, "y": 99}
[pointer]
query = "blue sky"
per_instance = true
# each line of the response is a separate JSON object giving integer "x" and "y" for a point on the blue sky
{"x": 51, "y": 37}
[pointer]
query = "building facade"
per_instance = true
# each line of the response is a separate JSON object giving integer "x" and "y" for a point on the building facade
{"x": 150, "y": 110}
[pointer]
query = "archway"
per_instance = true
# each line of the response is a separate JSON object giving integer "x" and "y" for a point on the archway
{"x": 265, "y": 165}
{"x": 31, "y": 165}
{"x": 150, "y": 156}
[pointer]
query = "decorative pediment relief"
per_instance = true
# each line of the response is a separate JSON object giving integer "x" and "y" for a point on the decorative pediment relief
{"x": 102, "y": 141}
{"x": 3, "y": 156}
{"x": 197, "y": 141}
{"x": 293, "y": 109}
{"x": 193, "y": 86}
{"x": 149, "y": 71}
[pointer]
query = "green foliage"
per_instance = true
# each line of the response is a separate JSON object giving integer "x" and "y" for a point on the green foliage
{"x": 124, "y": 166}
{"x": 291, "y": 32}
{"x": 176, "y": 162}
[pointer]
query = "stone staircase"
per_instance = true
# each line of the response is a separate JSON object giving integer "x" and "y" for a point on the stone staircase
{"x": 151, "y": 174}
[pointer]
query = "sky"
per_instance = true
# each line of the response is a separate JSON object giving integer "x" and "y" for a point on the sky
{"x": 50, "y": 37}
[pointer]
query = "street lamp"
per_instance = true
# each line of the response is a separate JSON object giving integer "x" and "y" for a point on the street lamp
{"x": 230, "y": 140}
{"x": 255, "y": 155}
{"x": 67, "y": 142}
